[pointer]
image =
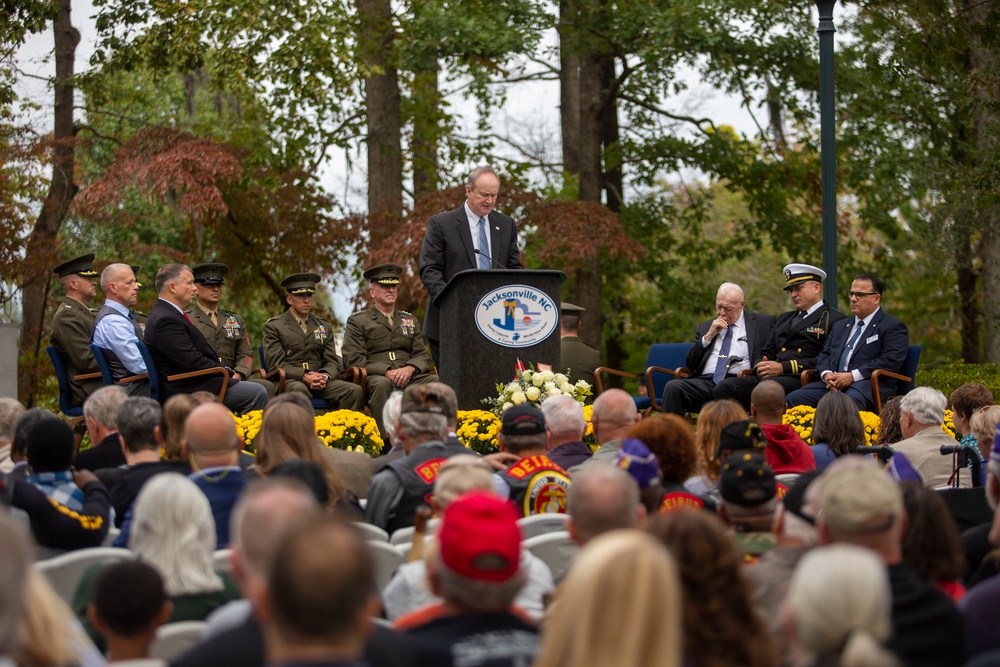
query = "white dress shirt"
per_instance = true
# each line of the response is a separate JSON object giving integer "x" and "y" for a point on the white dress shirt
{"x": 738, "y": 347}
{"x": 474, "y": 228}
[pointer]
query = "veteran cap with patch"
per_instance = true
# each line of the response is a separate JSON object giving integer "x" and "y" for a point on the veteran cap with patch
{"x": 210, "y": 274}
{"x": 301, "y": 283}
{"x": 424, "y": 398}
{"x": 740, "y": 435}
{"x": 384, "y": 274}
{"x": 524, "y": 419}
{"x": 800, "y": 273}
{"x": 747, "y": 480}
{"x": 81, "y": 266}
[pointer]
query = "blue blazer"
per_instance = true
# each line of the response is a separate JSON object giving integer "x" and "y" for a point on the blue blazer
{"x": 883, "y": 344}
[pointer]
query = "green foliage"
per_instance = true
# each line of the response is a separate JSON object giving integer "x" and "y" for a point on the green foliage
{"x": 949, "y": 377}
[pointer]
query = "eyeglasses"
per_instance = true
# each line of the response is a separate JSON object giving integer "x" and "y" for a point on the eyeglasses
{"x": 861, "y": 295}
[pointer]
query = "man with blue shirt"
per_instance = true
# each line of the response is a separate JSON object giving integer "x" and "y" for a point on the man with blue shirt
{"x": 116, "y": 330}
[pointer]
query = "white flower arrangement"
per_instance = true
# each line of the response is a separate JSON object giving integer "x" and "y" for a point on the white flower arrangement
{"x": 533, "y": 386}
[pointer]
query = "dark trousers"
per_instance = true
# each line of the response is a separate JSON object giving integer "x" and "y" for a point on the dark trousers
{"x": 740, "y": 389}
{"x": 814, "y": 391}
{"x": 685, "y": 395}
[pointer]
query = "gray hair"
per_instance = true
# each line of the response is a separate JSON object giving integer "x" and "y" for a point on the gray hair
{"x": 477, "y": 173}
{"x": 10, "y": 410}
{"x": 730, "y": 288}
{"x": 112, "y": 273}
{"x": 926, "y": 404}
{"x": 459, "y": 475}
{"x": 261, "y": 517}
{"x": 390, "y": 415}
{"x": 564, "y": 416}
{"x": 422, "y": 426}
{"x": 102, "y": 406}
{"x": 137, "y": 419}
{"x": 15, "y": 559}
{"x": 167, "y": 274}
{"x": 476, "y": 596}
{"x": 602, "y": 497}
{"x": 174, "y": 531}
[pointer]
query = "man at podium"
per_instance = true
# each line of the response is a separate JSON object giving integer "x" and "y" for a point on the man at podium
{"x": 473, "y": 236}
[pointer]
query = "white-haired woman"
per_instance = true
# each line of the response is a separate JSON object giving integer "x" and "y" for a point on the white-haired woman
{"x": 172, "y": 530}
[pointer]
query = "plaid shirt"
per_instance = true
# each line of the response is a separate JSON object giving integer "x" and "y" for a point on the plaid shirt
{"x": 59, "y": 487}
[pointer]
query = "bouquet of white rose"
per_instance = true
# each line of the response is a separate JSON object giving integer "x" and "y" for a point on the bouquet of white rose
{"x": 533, "y": 386}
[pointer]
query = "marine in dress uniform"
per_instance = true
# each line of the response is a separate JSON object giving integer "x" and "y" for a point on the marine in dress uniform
{"x": 73, "y": 324}
{"x": 576, "y": 359}
{"x": 386, "y": 342}
{"x": 796, "y": 339}
{"x": 303, "y": 345}
{"x": 224, "y": 330}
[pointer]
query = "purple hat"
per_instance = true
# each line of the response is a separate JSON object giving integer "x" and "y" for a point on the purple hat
{"x": 901, "y": 470}
{"x": 635, "y": 458}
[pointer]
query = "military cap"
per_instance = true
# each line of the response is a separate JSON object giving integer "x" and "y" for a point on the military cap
{"x": 568, "y": 307}
{"x": 301, "y": 283}
{"x": 135, "y": 271}
{"x": 740, "y": 435}
{"x": 800, "y": 273}
{"x": 82, "y": 266}
{"x": 384, "y": 274}
{"x": 210, "y": 274}
{"x": 424, "y": 398}
{"x": 747, "y": 480}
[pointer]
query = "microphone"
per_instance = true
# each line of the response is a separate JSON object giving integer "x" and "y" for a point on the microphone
{"x": 733, "y": 360}
{"x": 492, "y": 261}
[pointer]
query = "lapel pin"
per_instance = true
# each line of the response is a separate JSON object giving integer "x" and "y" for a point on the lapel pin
{"x": 497, "y": 228}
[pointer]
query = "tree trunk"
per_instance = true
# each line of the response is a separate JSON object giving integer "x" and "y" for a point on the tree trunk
{"x": 426, "y": 127}
{"x": 968, "y": 302}
{"x": 41, "y": 250}
{"x": 385, "y": 117}
{"x": 991, "y": 282}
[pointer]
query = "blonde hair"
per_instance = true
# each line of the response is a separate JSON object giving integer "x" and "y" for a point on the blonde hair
{"x": 711, "y": 420}
{"x": 619, "y": 605}
{"x": 984, "y": 426}
{"x": 48, "y": 633}
{"x": 288, "y": 432}
{"x": 459, "y": 475}
{"x": 174, "y": 531}
{"x": 175, "y": 413}
{"x": 840, "y": 603}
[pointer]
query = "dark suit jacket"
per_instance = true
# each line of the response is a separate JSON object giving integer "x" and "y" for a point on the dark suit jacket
{"x": 887, "y": 350}
{"x": 177, "y": 346}
{"x": 448, "y": 249}
{"x": 797, "y": 342}
{"x": 758, "y": 331}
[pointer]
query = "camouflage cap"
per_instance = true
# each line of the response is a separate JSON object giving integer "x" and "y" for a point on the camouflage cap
{"x": 424, "y": 398}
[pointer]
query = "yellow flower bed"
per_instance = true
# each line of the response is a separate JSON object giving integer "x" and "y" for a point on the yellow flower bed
{"x": 339, "y": 429}
{"x": 477, "y": 430}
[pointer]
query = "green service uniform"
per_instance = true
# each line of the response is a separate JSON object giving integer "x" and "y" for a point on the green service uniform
{"x": 577, "y": 359}
{"x": 286, "y": 346}
{"x": 231, "y": 341}
{"x": 370, "y": 342}
{"x": 72, "y": 328}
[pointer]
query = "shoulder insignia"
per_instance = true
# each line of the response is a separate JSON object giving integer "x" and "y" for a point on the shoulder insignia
{"x": 428, "y": 470}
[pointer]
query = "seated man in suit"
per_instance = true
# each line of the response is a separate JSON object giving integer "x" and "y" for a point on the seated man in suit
{"x": 177, "y": 346}
{"x": 386, "y": 342}
{"x": 855, "y": 348}
{"x": 921, "y": 414}
{"x": 723, "y": 347}
{"x": 796, "y": 339}
{"x": 303, "y": 345}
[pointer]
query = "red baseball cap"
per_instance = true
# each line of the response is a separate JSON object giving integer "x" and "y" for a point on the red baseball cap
{"x": 480, "y": 539}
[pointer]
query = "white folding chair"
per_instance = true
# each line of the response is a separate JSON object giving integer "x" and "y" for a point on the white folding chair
{"x": 65, "y": 571}
{"x": 174, "y": 639}
{"x": 221, "y": 558}
{"x": 404, "y": 535}
{"x": 372, "y": 533}
{"x": 541, "y": 524}
{"x": 387, "y": 560}
{"x": 556, "y": 550}
{"x": 110, "y": 538}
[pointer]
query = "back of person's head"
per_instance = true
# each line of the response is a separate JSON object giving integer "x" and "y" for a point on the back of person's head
{"x": 767, "y": 402}
{"x": 173, "y": 529}
{"x": 564, "y": 417}
{"x": 175, "y": 413}
{"x": 294, "y": 397}
{"x": 138, "y": 421}
{"x": 50, "y": 446}
{"x": 23, "y": 426}
{"x": 721, "y": 626}
{"x": 889, "y": 431}
{"x": 748, "y": 489}
{"x": 523, "y": 429}
{"x": 307, "y": 473}
{"x": 711, "y": 420}
{"x": 931, "y": 544}
{"x": 861, "y": 504}
{"x": 48, "y": 632}
{"x": 203, "y": 397}
{"x": 614, "y": 410}
{"x": 262, "y": 515}
{"x": 670, "y": 439}
{"x": 984, "y": 426}
{"x": 313, "y": 598}
{"x": 798, "y": 510}
{"x": 459, "y": 475}
{"x": 129, "y": 599}
{"x": 390, "y": 415}
{"x": 926, "y": 404}
{"x": 601, "y": 498}
{"x": 102, "y": 406}
{"x": 840, "y": 605}
{"x": 476, "y": 566}
{"x": 837, "y": 422}
{"x": 210, "y": 431}
{"x": 970, "y": 397}
{"x": 620, "y": 604}
{"x": 10, "y": 410}
{"x": 15, "y": 560}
